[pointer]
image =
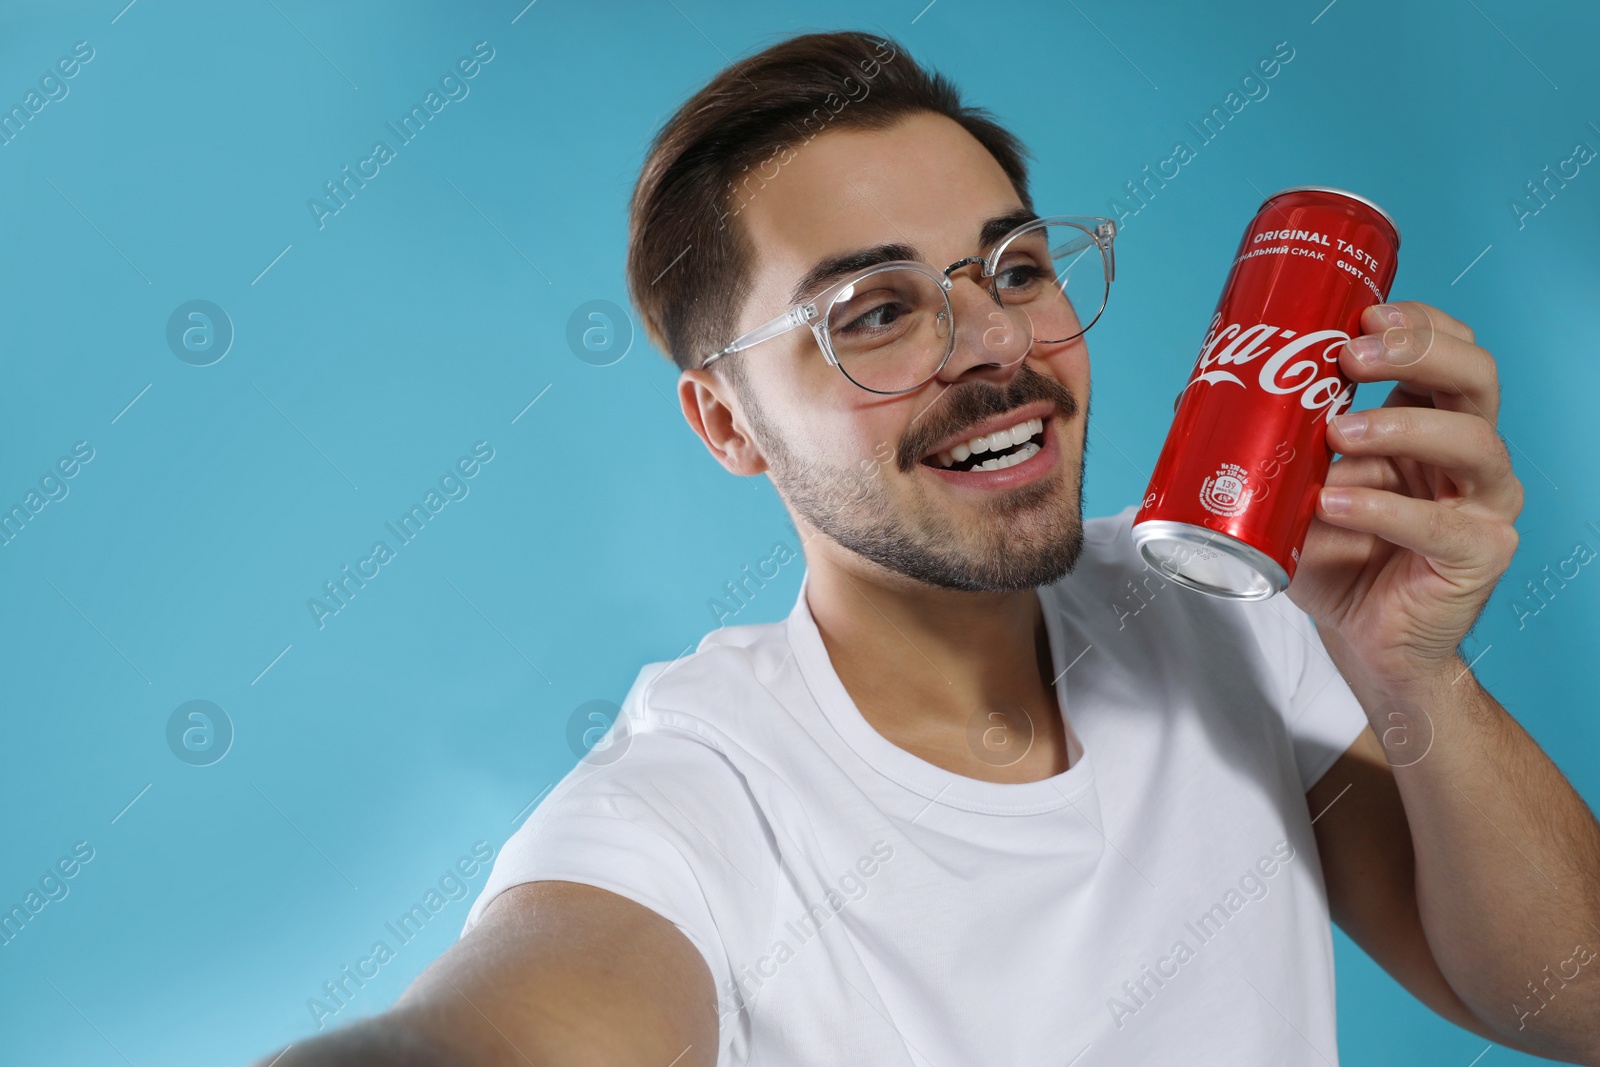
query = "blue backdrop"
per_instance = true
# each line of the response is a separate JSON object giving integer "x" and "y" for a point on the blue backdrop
{"x": 217, "y": 394}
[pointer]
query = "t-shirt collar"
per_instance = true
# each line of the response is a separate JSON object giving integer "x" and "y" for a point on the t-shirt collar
{"x": 914, "y": 773}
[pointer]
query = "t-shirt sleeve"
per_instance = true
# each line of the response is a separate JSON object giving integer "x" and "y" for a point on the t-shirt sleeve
{"x": 665, "y": 824}
{"x": 1322, "y": 714}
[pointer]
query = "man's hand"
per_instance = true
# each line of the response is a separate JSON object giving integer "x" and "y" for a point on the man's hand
{"x": 1495, "y": 878}
{"x": 1415, "y": 525}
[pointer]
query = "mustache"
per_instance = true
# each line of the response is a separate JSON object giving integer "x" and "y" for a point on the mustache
{"x": 969, "y": 404}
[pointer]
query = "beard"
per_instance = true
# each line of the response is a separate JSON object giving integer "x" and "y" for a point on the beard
{"x": 1017, "y": 539}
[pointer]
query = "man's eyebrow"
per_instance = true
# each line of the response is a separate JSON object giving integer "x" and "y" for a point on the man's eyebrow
{"x": 997, "y": 227}
{"x": 828, "y": 270}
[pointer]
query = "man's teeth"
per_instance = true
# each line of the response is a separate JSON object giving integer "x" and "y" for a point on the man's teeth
{"x": 1000, "y": 463}
{"x": 996, "y": 442}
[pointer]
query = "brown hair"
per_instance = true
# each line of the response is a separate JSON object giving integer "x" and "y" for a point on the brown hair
{"x": 687, "y": 268}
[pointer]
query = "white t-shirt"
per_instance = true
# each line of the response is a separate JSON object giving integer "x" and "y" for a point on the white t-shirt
{"x": 1160, "y": 901}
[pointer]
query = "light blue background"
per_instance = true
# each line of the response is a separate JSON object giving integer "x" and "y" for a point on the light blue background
{"x": 430, "y": 712}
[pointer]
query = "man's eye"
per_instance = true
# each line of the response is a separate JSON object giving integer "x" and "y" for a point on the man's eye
{"x": 885, "y": 314}
{"x": 1018, "y": 276}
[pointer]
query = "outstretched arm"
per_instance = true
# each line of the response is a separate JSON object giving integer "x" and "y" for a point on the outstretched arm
{"x": 556, "y": 974}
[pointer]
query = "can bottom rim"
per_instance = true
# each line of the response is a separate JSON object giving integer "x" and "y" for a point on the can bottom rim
{"x": 1208, "y": 561}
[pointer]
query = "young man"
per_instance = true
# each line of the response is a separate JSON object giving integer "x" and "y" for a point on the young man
{"x": 996, "y": 793}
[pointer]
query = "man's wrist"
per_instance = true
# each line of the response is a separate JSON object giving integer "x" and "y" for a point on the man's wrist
{"x": 1407, "y": 709}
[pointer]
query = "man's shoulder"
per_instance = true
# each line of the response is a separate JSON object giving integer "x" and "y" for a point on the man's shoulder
{"x": 688, "y": 726}
{"x": 726, "y": 669}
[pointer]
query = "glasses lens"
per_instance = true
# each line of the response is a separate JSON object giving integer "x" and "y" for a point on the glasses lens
{"x": 890, "y": 330}
{"x": 1057, "y": 276}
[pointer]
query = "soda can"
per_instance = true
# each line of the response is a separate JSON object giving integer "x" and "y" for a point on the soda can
{"x": 1235, "y": 488}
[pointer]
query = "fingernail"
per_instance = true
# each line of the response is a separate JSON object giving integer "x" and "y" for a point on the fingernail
{"x": 1352, "y": 426}
{"x": 1365, "y": 348}
{"x": 1397, "y": 347}
{"x": 1335, "y": 501}
{"x": 1391, "y": 314}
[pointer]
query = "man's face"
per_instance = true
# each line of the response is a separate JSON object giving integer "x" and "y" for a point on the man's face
{"x": 868, "y": 471}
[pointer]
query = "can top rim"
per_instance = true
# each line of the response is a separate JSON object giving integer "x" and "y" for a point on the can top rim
{"x": 1340, "y": 192}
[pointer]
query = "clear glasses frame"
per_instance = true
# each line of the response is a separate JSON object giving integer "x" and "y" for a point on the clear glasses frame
{"x": 1097, "y": 233}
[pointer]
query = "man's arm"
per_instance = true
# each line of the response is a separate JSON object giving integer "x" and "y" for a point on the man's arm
{"x": 1470, "y": 871}
{"x": 1499, "y": 876}
{"x": 556, "y": 974}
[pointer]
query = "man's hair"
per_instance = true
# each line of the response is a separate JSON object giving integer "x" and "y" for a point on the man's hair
{"x": 688, "y": 258}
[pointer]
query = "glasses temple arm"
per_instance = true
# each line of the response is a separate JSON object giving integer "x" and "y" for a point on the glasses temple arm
{"x": 795, "y": 317}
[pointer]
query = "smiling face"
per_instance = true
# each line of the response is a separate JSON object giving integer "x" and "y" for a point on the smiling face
{"x": 895, "y": 479}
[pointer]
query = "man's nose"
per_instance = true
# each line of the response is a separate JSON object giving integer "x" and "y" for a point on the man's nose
{"x": 991, "y": 338}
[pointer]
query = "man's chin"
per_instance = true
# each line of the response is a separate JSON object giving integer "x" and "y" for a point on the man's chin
{"x": 1012, "y": 549}
{"x": 1006, "y": 540}
{"x": 1005, "y": 573}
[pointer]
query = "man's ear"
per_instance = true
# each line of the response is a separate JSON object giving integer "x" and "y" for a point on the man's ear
{"x": 711, "y": 407}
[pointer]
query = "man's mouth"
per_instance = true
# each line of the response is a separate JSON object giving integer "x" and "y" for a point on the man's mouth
{"x": 997, "y": 450}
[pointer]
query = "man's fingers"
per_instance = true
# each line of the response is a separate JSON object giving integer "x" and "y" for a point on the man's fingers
{"x": 1463, "y": 446}
{"x": 1450, "y": 536}
{"x": 1414, "y": 313}
{"x": 1371, "y": 472}
{"x": 1428, "y": 354}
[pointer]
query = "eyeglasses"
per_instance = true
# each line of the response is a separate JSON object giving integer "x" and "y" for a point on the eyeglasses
{"x": 890, "y": 328}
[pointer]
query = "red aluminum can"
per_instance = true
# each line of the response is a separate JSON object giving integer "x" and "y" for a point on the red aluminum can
{"x": 1236, "y": 486}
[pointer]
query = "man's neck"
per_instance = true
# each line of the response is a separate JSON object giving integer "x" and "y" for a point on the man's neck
{"x": 960, "y": 679}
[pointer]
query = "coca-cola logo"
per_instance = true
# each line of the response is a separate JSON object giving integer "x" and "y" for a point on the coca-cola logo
{"x": 1307, "y": 363}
